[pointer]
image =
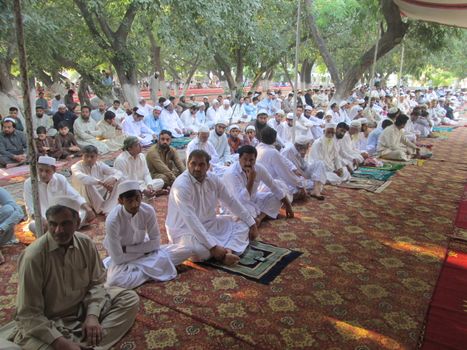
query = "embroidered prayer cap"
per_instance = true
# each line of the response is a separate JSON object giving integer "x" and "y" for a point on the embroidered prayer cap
{"x": 280, "y": 112}
{"x": 215, "y": 101}
{"x": 363, "y": 121}
{"x": 262, "y": 111}
{"x": 66, "y": 201}
{"x": 203, "y": 128}
{"x": 226, "y": 102}
{"x": 140, "y": 112}
{"x": 360, "y": 101}
{"x": 308, "y": 108}
{"x": 393, "y": 110}
{"x": 222, "y": 121}
{"x": 343, "y": 103}
{"x": 126, "y": 186}
{"x": 356, "y": 123}
{"x": 235, "y": 126}
{"x": 166, "y": 103}
{"x": 61, "y": 105}
{"x": 8, "y": 119}
{"x": 158, "y": 108}
{"x": 200, "y": 104}
{"x": 330, "y": 125}
{"x": 328, "y": 112}
{"x": 289, "y": 116}
{"x": 46, "y": 160}
{"x": 250, "y": 127}
{"x": 302, "y": 140}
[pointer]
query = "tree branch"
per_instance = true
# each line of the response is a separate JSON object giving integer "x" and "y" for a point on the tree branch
{"x": 320, "y": 43}
{"x": 88, "y": 18}
{"x": 127, "y": 21}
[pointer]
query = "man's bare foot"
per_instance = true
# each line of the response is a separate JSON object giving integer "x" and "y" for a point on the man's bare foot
{"x": 231, "y": 259}
{"x": 2, "y": 258}
{"x": 259, "y": 219}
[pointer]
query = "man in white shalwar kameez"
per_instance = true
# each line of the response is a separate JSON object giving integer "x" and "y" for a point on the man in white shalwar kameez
{"x": 133, "y": 125}
{"x": 132, "y": 240}
{"x": 86, "y": 131}
{"x": 225, "y": 112}
{"x": 275, "y": 123}
{"x": 327, "y": 150}
{"x": 50, "y": 186}
{"x": 132, "y": 164}
{"x": 218, "y": 139}
{"x": 212, "y": 114}
{"x": 171, "y": 121}
{"x": 393, "y": 144}
{"x": 278, "y": 166}
{"x": 111, "y": 132}
{"x": 285, "y": 129}
{"x": 243, "y": 180}
{"x": 409, "y": 130}
{"x": 188, "y": 118}
{"x": 96, "y": 181}
{"x": 192, "y": 220}
{"x": 313, "y": 171}
{"x": 348, "y": 150}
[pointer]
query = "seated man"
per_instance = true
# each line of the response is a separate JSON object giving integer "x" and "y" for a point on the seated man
{"x": 313, "y": 171}
{"x": 163, "y": 160}
{"x": 348, "y": 151}
{"x": 96, "y": 181}
{"x": 153, "y": 121}
{"x": 42, "y": 119}
{"x": 111, "y": 132}
{"x": 67, "y": 142}
{"x": 118, "y": 111}
{"x": 192, "y": 221}
{"x": 98, "y": 114}
{"x": 188, "y": 118}
{"x": 50, "y": 186}
{"x": 374, "y": 137}
{"x": 218, "y": 139}
{"x": 201, "y": 142}
{"x": 46, "y": 145}
{"x": 243, "y": 179}
{"x": 13, "y": 114}
{"x": 132, "y": 240}
{"x": 393, "y": 144}
{"x": 13, "y": 145}
{"x": 61, "y": 300}
{"x": 10, "y": 215}
{"x": 86, "y": 131}
{"x": 277, "y": 165}
{"x": 327, "y": 150}
{"x": 133, "y": 125}
{"x": 64, "y": 115}
{"x": 132, "y": 164}
{"x": 171, "y": 121}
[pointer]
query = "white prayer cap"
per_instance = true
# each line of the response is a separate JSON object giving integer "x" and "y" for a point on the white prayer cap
{"x": 343, "y": 103}
{"x": 127, "y": 185}
{"x": 61, "y": 105}
{"x": 9, "y": 120}
{"x": 226, "y": 102}
{"x": 320, "y": 111}
{"x": 359, "y": 108}
{"x": 393, "y": 110}
{"x": 356, "y": 123}
{"x": 308, "y": 108}
{"x": 159, "y": 108}
{"x": 442, "y": 99}
{"x": 250, "y": 127}
{"x": 140, "y": 111}
{"x": 141, "y": 98}
{"x": 66, "y": 201}
{"x": 360, "y": 101}
{"x": 262, "y": 111}
{"x": 272, "y": 93}
{"x": 330, "y": 125}
{"x": 203, "y": 128}
{"x": 289, "y": 116}
{"x": 412, "y": 94}
{"x": 205, "y": 97}
{"x": 222, "y": 121}
{"x": 46, "y": 160}
{"x": 201, "y": 104}
{"x": 302, "y": 140}
{"x": 166, "y": 103}
{"x": 281, "y": 112}
{"x": 328, "y": 112}
{"x": 235, "y": 126}
{"x": 363, "y": 121}
{"x": 215, "y": 101}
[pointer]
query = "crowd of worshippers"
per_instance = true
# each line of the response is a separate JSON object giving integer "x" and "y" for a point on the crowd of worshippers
{"x": 68, "y": 298}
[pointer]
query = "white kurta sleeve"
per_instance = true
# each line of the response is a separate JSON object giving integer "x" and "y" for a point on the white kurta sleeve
{"x": 82, "y": 177}
{"x": 152, "y": 229}
{"x": 267, "y": 179}
{"x": 80, "y": 132}
{"x": 233, "y": 204}
{"x": 282, "y": 166}
{"x": 108, "y": 171}
{"x": 113, "y": 243}
{"x": 236, "y": 186}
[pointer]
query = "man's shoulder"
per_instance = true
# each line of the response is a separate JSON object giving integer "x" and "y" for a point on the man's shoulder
{"x": 35, "y": 249}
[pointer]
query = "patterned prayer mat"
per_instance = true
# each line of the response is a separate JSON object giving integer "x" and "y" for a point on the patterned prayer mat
{"x": 261, "y": 262}
{"x": 362, "y": 183}
{"x": 180, "y": 142}
{"x": 386, "y": 167}
{"x": 373, "y": 173}
{"x": 443, "y": 128}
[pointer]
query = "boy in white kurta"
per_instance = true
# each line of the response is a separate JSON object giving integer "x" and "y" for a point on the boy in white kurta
{"x": 394, "y": 145}
{"x": 192, "y": 220}
{"x": 96, "y": 181}
{"x": 132, "y": 240}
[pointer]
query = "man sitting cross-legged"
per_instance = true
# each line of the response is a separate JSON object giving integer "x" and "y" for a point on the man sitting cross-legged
{"x": 278, "y": 166}
{"x": 313, "y": 171}
{"x": 192, "y": 220}
{"x": 96, "y": 181}
{"x": 13, "y": 145}
{"x": 50, "y": 186}
{"x": 244, "y": 177}
{"x": 163, "y": 160}
{"x": 132, "y": 164}
{"x": 132, "y": 240}
{"x": 62, "y": 302}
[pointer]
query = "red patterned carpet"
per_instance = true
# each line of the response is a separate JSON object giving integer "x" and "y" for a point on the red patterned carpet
{"x": 367, "y": 274}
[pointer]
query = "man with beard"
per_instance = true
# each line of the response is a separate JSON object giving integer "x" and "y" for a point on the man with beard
{"x": 132, "y": 240}
{"x": 13, "y": 145}
{"x": 63, "y": 115}
{"x": 86, "y": 131}
{"x": 261, "y": 122}
{"x": 133, "y": 125}
{"x": 171, "y": 121}
{"x": 42, "y": 119}
{"x": 192, "y": 220}
{"x": 163, "y": 160}
{"x": 98, "y": 114}
{"x": 350, "y": 155}
{"x": 327, "y": 150}
{"x": 111, "y": 132}
{"x": 218, "y": 139}
{"x": 201, "y": 142}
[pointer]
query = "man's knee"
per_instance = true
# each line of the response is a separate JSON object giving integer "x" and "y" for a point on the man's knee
{"x": 7, "y": 210}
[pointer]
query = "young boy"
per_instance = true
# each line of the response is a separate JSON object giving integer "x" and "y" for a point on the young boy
{"x": 250, "y": 136}
{"x": 67, "y": 142}
{"x": 234, "y": 140}
{"x": 46, "y": 145}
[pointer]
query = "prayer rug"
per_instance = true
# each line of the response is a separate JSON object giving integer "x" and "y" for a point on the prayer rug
{"x": 446, "y": 326}
{"x": 370, "y": 185}
{"x": 261, "y": 262}
{"x": 180, "y": 142}
{"x": 443, "y": 128}
{"x": 373, "y": 173}
{"x": 386, "y": 167}
{"x": 461, "y": 219}
{"x": 19, "y": 173}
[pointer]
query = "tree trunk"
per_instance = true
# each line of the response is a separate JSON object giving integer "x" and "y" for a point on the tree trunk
{"x": 190, "y": 75}
{"x": 83, "y": 93}
{"x": 225, "y": 67}
{"x": 159, "y": 82}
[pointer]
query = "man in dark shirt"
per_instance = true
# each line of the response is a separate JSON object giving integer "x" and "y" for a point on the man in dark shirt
{"x": 63, "y": 115}
{"x": 13, "y": 145}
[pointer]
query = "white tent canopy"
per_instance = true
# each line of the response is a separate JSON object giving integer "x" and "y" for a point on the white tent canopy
{"x": 449, "y": 12}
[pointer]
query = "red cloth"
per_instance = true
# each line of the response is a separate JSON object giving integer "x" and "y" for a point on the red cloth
{"x": 461, "y": 219}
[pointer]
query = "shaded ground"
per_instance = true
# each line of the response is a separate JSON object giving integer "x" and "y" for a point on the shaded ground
{"x": 367, "y": 274}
